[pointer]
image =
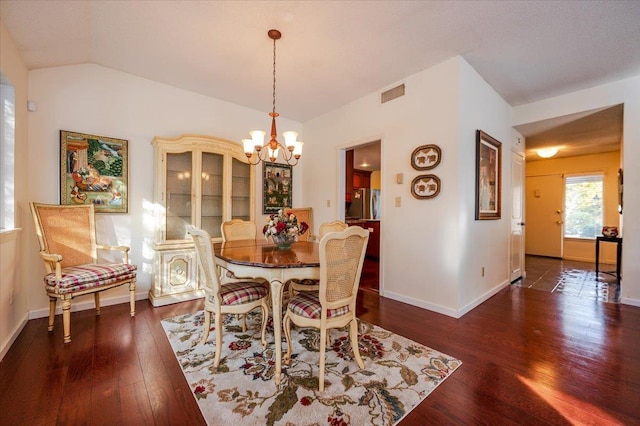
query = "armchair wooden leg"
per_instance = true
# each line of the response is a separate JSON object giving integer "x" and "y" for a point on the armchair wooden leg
{"x": 96, "y": 297}
{"x": 218, "y": 322}
{"x": 132, "y": 293}
{"x": 207, "y": 326}
{"x": 323, "y": 341}
{"x": 52, "y": 312}
{"x": 353, "y": 331}
{"x": 66, "y": 319}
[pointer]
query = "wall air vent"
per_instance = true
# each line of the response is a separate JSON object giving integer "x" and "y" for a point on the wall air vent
{"x": 391, "y": 94}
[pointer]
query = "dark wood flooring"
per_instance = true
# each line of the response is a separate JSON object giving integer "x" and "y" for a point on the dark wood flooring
{"x": 529, "y": 358}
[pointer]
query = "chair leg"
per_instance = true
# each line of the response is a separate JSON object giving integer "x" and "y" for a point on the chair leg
{"x": 66, "y": 319}
{"x": 353, "y": 331}
{"x": 52, "y": 312}
{"x": 265, "y": 317}
{"x": 218, "y": 322}
{"x": 207, "y": 326}
{"x": 132, "y": 293}
{"x": 323, "y": 341}
{"x": 244, "y": 323}
{"x": 96, "y": 297}
{"x": 286, "y": 325}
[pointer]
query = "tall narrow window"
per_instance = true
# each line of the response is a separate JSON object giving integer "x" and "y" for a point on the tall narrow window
{"x": 583, "y": 206}
{"x": 7, "y": 153}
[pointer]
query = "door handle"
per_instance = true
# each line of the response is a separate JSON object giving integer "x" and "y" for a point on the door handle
{"x": 559, "y": 211}
{"x": 521, "y": 223}
{"x": 559, "y": 222}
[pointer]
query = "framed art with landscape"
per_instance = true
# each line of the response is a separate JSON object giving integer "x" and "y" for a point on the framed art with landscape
{"x": 488, "y": 176}
{"x": 276, "y": 187}
{"x": 93, "y": 169}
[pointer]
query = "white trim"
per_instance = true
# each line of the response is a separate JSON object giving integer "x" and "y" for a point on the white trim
{"x": 482, "y": 298}
{"x": 421, "y": 304}
{"x": 88, "y": 304}
{"x": 13, "y": 336}
{"x": 630, "y": 301}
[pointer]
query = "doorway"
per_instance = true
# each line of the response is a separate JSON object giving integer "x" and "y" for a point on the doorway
{"x": 363, "y": 195}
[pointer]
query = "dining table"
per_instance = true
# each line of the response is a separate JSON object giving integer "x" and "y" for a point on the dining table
{"x": 260, "y": 258}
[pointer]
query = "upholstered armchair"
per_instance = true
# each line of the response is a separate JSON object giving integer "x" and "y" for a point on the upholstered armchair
{"x": 334, "y": 305}
{"x": 67, "y": 237}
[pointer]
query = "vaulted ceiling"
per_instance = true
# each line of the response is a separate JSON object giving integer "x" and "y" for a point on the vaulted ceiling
{"x": 333, "y": 52}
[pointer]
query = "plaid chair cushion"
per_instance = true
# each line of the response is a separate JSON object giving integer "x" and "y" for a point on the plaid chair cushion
{"x": 307, "y": 304}
{"x": 82, "y": 277}
{"x": 305, "y": 281}
{"x": 242, "y": 292}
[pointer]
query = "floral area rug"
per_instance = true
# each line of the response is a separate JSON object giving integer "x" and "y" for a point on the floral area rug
{"x": 398, "y": 374}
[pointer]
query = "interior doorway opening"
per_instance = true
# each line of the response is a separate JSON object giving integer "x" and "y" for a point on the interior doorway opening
{"x": 363, "y": 201}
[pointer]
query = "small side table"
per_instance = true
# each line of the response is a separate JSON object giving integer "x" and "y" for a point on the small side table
{"x": 618, "y": 241}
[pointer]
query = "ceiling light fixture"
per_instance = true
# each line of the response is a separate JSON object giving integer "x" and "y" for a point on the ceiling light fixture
{"x": 547, "y": 152}
{"x": 293, "y": 150}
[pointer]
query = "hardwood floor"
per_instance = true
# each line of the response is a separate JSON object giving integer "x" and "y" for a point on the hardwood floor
{"x": 529, "y": 357}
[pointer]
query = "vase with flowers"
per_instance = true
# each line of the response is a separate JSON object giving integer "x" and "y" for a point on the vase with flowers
{"x": 284, "y": 228}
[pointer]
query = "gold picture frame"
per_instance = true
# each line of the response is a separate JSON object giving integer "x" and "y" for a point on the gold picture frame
{"x": 94, "y": 169}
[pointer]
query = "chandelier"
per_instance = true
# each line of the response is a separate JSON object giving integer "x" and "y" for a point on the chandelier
{"x": 292, "y": 150}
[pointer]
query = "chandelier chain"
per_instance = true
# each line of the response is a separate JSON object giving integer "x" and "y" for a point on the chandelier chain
{"x": 274, "y": 75}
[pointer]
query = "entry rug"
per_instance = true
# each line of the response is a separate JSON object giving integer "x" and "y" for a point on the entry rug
{"x": 398, "y": 375}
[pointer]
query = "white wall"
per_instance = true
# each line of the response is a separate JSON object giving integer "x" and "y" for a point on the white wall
{"x": 101, "y": 101}
{"x": 14, "y": 310}
{"x": 626, "y": 92}
{"x": 425, "y": 244}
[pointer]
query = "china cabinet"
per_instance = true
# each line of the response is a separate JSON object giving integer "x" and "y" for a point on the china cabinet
{"x": 200, "y": 181}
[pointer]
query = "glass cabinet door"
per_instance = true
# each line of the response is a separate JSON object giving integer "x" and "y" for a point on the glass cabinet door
{"x": 178, "y": 193}
{"x": 240, "y": 190}
{"x": 212, "y": 212}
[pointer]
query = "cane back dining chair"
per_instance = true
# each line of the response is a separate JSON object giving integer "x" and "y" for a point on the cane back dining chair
{"x": 238, "y": 297}
{"x": 296, "y": 285}
{"x": 67, "y": 237}
{"x": 237, "y": 229}
{"x": 334, "y": 305}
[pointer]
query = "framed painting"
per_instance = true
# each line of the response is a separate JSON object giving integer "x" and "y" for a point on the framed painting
{"x": 276, "y": 187}
{"x": 488, "y": 177}
{"x": 426, "y": 157}
{"x": 93, "y": 169}
{"x": 425, "y": 186}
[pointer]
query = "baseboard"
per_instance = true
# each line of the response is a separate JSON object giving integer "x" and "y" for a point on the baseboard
{"x": 13, "y": 336}
{"x": 88, "y": 304}
{"x": 482, "y": 298}
{"x": 630, "y": 301}
{"x": 421, "y": 304}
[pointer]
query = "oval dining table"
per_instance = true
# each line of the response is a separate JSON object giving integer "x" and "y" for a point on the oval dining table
{"x": 260, "y": 258}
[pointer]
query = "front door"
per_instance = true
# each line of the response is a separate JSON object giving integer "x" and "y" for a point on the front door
{"x": 517, "y": 218}
{"x": 544, "y": 212}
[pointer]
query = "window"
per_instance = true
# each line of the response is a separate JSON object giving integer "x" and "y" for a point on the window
{"x": 583, "y": 206}
{"x": 7, "y": 154}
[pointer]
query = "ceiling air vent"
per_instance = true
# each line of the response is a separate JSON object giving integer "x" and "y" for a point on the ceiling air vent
{"x": 391, "y": 94}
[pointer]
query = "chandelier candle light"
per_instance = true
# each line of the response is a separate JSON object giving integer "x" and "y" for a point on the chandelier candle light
{"x": 293, "y": 150}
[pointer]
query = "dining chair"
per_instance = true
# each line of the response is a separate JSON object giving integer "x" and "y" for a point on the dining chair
{"x": 67, "y": 238}
{"x": 296, "y": 285}
{"x": 334, "y": 305}
{"x": 237, "y": 229}
{"x": 238, "y": 297}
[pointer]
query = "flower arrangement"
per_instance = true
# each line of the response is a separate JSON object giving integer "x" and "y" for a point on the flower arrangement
{"x": 284, "y": 225}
